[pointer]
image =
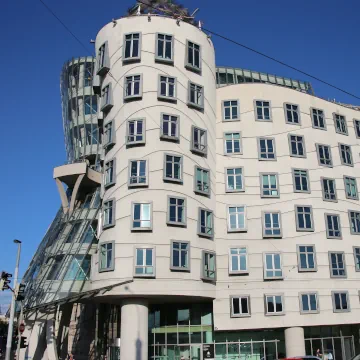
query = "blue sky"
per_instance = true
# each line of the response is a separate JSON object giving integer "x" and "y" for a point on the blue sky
{"x": 318, "y": 37}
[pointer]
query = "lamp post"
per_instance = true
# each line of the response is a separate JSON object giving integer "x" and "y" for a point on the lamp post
{"x": 12, "y": 306}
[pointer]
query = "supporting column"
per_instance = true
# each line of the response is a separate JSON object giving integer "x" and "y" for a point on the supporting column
{"x": 294, "y": 342}
{"x": 134, "y": 329}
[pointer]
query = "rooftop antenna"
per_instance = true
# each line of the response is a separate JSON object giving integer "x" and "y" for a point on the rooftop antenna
{"x": 194, "y": 12}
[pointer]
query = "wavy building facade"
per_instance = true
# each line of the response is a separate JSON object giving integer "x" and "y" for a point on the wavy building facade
{"x": 209, "y": 212}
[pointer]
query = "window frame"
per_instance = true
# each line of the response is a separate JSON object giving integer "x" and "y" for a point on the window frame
{"x": 173, "y": 180}
{"x": 195, "y": 105}
{"x": 163, "y": 59}
{"x": 312, "y": 109}
{"x": 352, "y": 232}
{"x": 106, "y": 106}
{"x": 239, "y": 272}
{"x": 332, "y": 276}
{"x": 106, "y": 60}
{"x": 277, "y": 185}
{"x": 112, "y": 267}
{"x": 333, "y": 293}
{"x": 146, "y": 184}
{"x": 301, "y": 304}
{"x": 203, "y": 274}
{"x": 112, "y": 141}
{"x": 223, "y": 110}
{"x": 176, "y": 223}
{"x": 113, "y": 182}
{"x": 136, "y": 96}
{"x": 113, "y": 217}
{"x": 236, "y": 230}
{"x": 294, "y": 182}
{"x": 167, "y": 97}
{"x": 192, "y": 147}
{"x": 303, "y": 144}
{"x": 298, "y": 252}
{"x": 322, "y": 179}
{"x": 312, "y": 228}
{"x": 345, "y": 122}
{"x": 201, "y": 234}
{"x": 240, "y": 142}
{"x": 327, "y": 228}
{"x": 145, "y": 247}
{"x": 241, "y": 314}
{"x": 279, "y": 313}
{"x": 197, "y": 191}
{"x": 351, "y": 155}
{"x": 298, "y": 113}
{"x": 163, "y": 136}
{"x": 317, "y": 146}
{"x": 356, "y": 188}
{"x": 139, "y": 142}
{"x": 259, "y": 148}
{"x": 191, "y": 66}
{"x": 357, "y": 269}
{"x": 355, "y": 122}
{"x": 132, "y": 58}
{"x": 177, "y": 268}
{"x": 227, "y": 190}
{"x": 265, "y": 268}
{"x": 141, "y": 229}
{"x": 270, "y": 111}
{"x": 272, "y": 236}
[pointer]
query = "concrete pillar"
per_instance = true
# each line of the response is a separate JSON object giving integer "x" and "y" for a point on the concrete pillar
{"x": 134, "y": 329}
{"x": 51, "y": 339}
{"x": 294, "y": 342}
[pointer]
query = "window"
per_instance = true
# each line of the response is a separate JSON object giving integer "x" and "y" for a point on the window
{"x": 345, "y": 155}
{"x": 138, "y": 173}
{"x": 266, "y": 149}
{"x": 337, "y": 264}
{"x": 304, "y": 218}
{"x": 333, "y": 229}
{"x": 196, "y": 96}
{"x": 145, "y": 262}
{"x": 306, "y": 258}
{"x": 202, "y": 181}
{"x": 357, "y": 128}
{"x": 169, "y": 127}
{"x": 234, "y": 179}
{"x": 318, "y": 119}
{"x": 292, "y": 114}
{"x": 324, "y": 155}
{"x": 233, "y": 143}
{"x": 167, "y": 88}
{"x": 206, "y": 223}
{"x": 108, "y": 214}
{"x": 198, "y": 140}
{"x": 176, "y": 211}
{"x": 109, "y": 134}
{"x": 297, "y": 146}
{"x": 301, "y": 180}
{"x": 340, "y": 301}
{"x": 231, "y": 110}
{"x": 274, "y": 305}
{"x": 106, "y": 98}
{"x": 263, "y": 110}
{"x": 236, "y": 218}
{"x": 88, "y": 73}
{"x": 90, "y": 105}
{"x": 164, "y": 48}
{"x": 106, "y": 256}
{"x": 131, "y": 48}
{"x": 272, "y": 266}
{"x": 133, "y": 87}
{"x": 103, "y": 59}
{"x": 193, "y": 59}
{"x": 238, "y": 261}
{"x": 354, "y": 218}
{"x": 79, "y": 268}
{"x": 269, "y": 185}
{"x": 328, "y": 189}
{"x": 357, "y": 258}
{"x": 340, "y": 124}
{"x": 110, "y": 173}
{"x": 272, "y": 225}
{"x": 180, "y": 255}
{"x": 56, "y": 268}
{"x": 72, "y": 233}
{"x": 173, "y": 168}
{"x": 209, "y": 265}
{"x": 309, "y": 303}
{"x": 351, "y": 190}
{"x": 135, "y": 132}
{"x": 240, "y": 306}
{"x": 89, "y": 235}
{"x": 141, "y": 216}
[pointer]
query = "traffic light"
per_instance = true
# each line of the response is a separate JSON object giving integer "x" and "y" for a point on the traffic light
{"x": 4, "y": 281}
{"x": 20, "y": 292}
{"x": 23, "y": 342}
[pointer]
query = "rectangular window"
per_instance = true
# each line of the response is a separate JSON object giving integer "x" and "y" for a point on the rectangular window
{"x": 297, "y": 146}
{"x": 238, "y": 261}
{"x": 318, "y": 119}
{"x": 56, "y": 268}
{"x": 145, "y": 262}
{"x": 167, "y": 88}
{"x": 103, "y": 59}
{"x": 263, "y": 110}
{"x": 135, "y": 132}
{"x": 354, "y": 217}
{"x": 110, "y": 173}
{"x": 106, "y": 256}
{"x": 233, "y": 143}
{"x": 164, "y": 48}
{"x": 106, "y": 98}
{"x": 274, "y": 305}
{"x": 324, "y": 155}
{"x": 351, "y": 190}
{"x": 357, "y": 258}
{"x": 88, "y": 73}
{"x": 209, "y": 265}
{"x": 180, "y": 256}
{"x": 304, "y": 218}
{"x": 266, "y": 149}
{"x": 272, "y": 225}
{"x": 169, "y": 127}
{"x": 90, "y": 105}
{"x": 109, "y": 134}
{"x": 132, "y": 47}
{"x": 345, "y": 155}
{"x": 196, "y": 96}
{"x": 198, "y": 140}
{"x": 79, "y": 267}
{"x": 176, "y": 211}
{"x": 202, "y": 181}
{"x": 333, "y": 229}
{"x": 173, "y": 168}
{"x": 193, "y": 58}
{"x": 357, "y": 128}
{"x": 138, "y": 173}
{"x": 108, "y": 214}
{"x": 309, "y": 303}
{"x": 73, "y": 232}
{"x": 133, "y": 87}
{"x": 240, "y": 306}
{"x": 236, "y": 218}
{"x": 231, "y": 110}
{"x": 292, "y": 114}
{"x": 337, "y": 264}
{"x": 301, "y": 180}
{"x": 269, "y": 185}
{"x": 272, "y": 266}
{"x": 234, "y": 179}
{"x": 206, "y": 223}
{"x": 306, "y": 258}
{"x": 340, "y": 124}
{"x": 141, "y": 216}
{"x": 328, "y": 189}
{"x": 340, "y": 301}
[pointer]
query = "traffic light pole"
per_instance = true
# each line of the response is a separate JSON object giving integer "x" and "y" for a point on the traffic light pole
{"x": 12, "y": 306}
{"x": 19, "y": 332}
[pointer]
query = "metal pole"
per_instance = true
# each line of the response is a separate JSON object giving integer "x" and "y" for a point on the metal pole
{"x": 19, "y": 333}
{"x": 12, "y": 306}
